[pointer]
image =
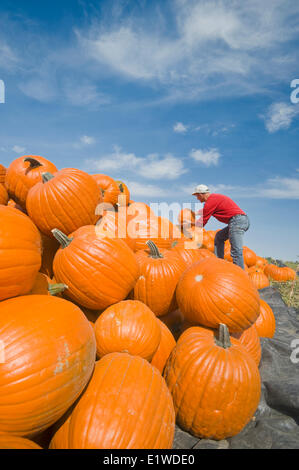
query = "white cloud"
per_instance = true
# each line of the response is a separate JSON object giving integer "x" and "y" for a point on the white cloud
{"x": 8, "y": 58}
{"x": 151, "y": 167}
{"x": 281, "y": 188}
{"x": 180, "y": 128}
{"x": 146, "y": 190}
{"x": 87, "y": 140}
{"x": 18, "y": 149}
{"x": 207, "y": 157}
{"x": 84, "y": 94}
{"x": 216, "y": 47}
{"x": 39, "y": 89}
{"x": 280, "y": 116}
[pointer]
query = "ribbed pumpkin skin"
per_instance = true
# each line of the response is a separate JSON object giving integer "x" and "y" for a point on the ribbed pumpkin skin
{"x": 251, "y": 341}
{"x": 113, "y": 224}
{"x": 265, "y": 323}
{"x": 166, "y": 345}
{"x": 126, "y": 405}
{"x": 128, "y": 326}
{"x": 214, "y": 291}
{"x": 3, "y": 195}
{"x": 7, "y": 441}
{"x": 98, "y": 271}
{"x": 20, "y": 246}
{"x": 191, "y": 256}
{"x": 215, "y": 390}
{"x": 259, "y": 279}
{"x": 158, "y": 279}
{"x": 66, "y": 202}
{"x": 2, "y": 174}
{"x": 21, "y": 176}
{"x": 158, "y": 229}
{"x": 49, "y": 357}
{"x": 250, "y": 258}
{"x": 109, "y": 190}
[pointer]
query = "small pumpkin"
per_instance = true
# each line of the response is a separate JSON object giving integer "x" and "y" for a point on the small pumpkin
{"x": 109, "y": 189}
{"x": 2, "y": 174}
{"x": 251, "y": 342}
{"x": 258, "y": 278}
{"x": 3, "y": 195}
{"x": 166, "y": 345}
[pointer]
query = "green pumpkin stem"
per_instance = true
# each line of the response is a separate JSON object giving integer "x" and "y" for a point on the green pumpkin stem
{"x": 174, "y": 243}
{"x": 55, "y": 289}
{"x": 33, "y": 162}
{"x": 154, "y": 250}
{"x": 47, "y": 176}
{"x": 63, "y": 239}
{"x": 223, "y": 339}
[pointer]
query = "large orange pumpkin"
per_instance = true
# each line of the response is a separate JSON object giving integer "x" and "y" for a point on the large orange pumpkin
{"x": 66, "y": 200}
{"x": 49, "y": 354}
{"x": 20, "y": 246}
{"x": 214, "y": 382}
{"x": 159, "y": 273}
{"x": 98, "y": 271}
{"x": 23, "y": 173}
{"x": 265, "y": 323}
{"x": 126, "y": 405}
{"x": 8, "y": 441}
{"x": 128, "y": 326}
{"x": 214, "y": 291}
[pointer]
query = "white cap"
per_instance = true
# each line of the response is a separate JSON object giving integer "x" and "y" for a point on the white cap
{"x": 200, "y": 189}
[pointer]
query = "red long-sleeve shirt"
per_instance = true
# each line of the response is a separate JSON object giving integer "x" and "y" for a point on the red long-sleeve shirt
{"x": 219, "y": 206}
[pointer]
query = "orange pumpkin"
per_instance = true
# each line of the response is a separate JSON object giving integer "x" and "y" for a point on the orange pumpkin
{"x": 8, "y": 441}
{"x": 114, "y": 225}
{"x": 98, "y": 271}
{"x": 124, "y": 193}
{"x": 250, "y": 258}
{"x": 49, "y": 248}
{"x": 251, "y": 341}
{"x": 66, "y": 200}
{"x": 126, "y": 405}
{"x": 166, "y": 345}
{"x": 23, "y": 173}
{"x": 20, "y": 246}
{"x": 258, "y": 278}
{"x": 43, "y": 285}
{"x": 128, "y": 326}
{"x": 214, "y": 291}
{"x": 2, "y": 174}
{"x": 109, "y": 189}
{"x": 265, "y": 323}
{"x": 3, "y": 195}
{"x": 49, "y": 357}
{"x": 214, "y": 382}
{"x": 159, "y": 273}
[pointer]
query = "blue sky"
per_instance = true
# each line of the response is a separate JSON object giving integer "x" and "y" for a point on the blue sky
{"x": 163, "y": 95}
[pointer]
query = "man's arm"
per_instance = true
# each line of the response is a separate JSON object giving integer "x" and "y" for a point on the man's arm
{"x": 207, "y": 211}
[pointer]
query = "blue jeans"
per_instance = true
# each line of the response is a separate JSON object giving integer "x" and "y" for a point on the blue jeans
{"x": 237, "y": 226}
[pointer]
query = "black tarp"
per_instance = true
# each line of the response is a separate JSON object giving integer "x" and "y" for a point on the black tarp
{"x": 275, "y": 424}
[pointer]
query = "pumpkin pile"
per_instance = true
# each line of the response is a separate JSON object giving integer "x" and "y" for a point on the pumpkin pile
{"x": 113, "y": 324}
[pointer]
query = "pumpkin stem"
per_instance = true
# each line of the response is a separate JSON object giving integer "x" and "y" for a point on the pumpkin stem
{"x": 223, "y": 337}
{"x": 63, "y": 239}
{"x": 174, "y": 243}
{"x": 55, "y": 289}
{"x": 33, "y": 162}
{"x": 47, "y": 176}
{"x": 121, "y": 188}
{"x": 154, "y": 250}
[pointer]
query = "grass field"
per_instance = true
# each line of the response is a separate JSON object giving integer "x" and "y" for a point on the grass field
{"x": 289, "y": 291}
